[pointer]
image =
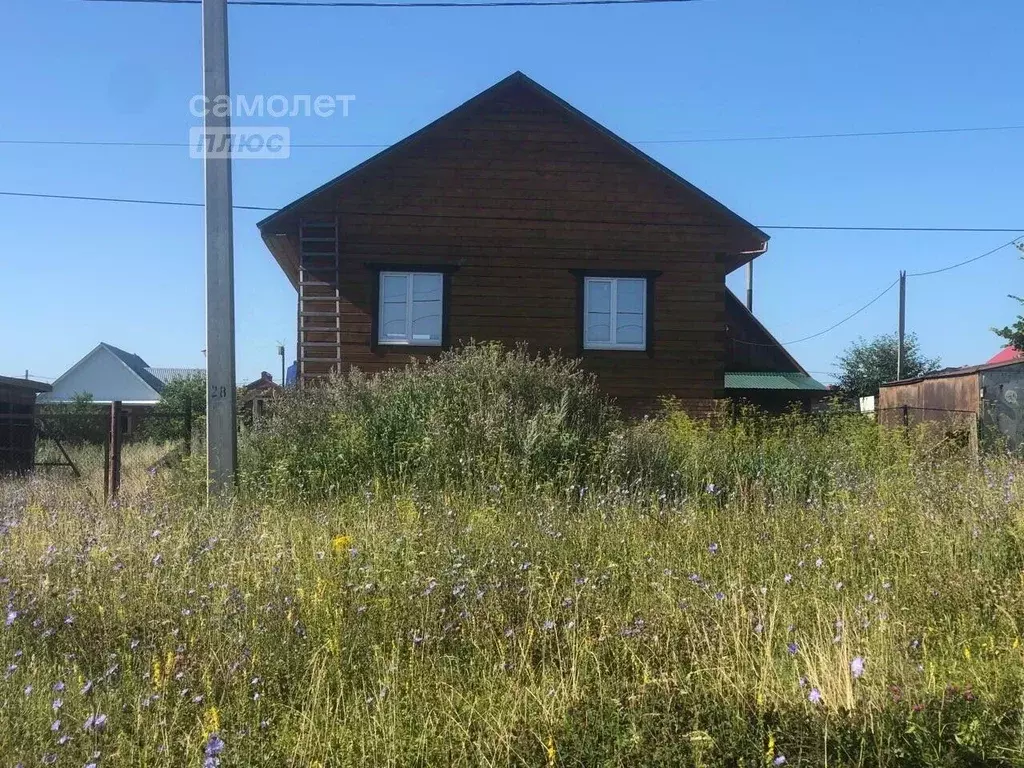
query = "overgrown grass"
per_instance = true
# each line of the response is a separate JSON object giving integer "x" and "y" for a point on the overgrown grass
{"x": 688, "y": 593}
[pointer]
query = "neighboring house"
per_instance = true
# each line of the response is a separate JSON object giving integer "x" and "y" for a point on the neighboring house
{"x": 1005, "y": 355}
{"x": 256, "y": 398}
{"x": 988, "y": 397}
{"x": 517, "y": 218}
{"x": 18, "y": 423}
{"x": 110, "y": 374}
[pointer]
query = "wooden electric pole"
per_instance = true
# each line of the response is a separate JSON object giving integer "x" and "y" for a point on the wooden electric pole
{"x": 220, "y": 272}
{"x": 901, "y": 352}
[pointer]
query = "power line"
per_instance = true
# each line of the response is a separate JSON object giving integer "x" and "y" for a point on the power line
{"x": 819, "y": 333}
{"x": 520, "y": 219}
{"x": 967, "y": 261}
{"x": 403, "y": 3}
{"x": 704, "y": 140}
{"x": 134, "y": 201}
{"x": 845, "y": 319}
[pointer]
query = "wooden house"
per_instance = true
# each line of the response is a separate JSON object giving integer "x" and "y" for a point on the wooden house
{"x": 517, "y": 218}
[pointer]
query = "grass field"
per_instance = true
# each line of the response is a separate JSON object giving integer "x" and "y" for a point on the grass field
{"x": 802, "y": 591}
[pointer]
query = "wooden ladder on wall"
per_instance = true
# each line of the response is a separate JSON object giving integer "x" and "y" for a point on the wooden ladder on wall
{"x": 319, "y": 321}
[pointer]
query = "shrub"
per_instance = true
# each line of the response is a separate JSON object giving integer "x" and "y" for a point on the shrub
{"x": 481, "y": 417}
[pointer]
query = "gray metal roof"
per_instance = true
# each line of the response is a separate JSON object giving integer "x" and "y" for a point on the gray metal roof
{"x": 167, "y": 375}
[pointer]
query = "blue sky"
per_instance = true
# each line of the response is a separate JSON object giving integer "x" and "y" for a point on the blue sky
{"x": 75, "y": 273}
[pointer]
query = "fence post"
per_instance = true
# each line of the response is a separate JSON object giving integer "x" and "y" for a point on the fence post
{"x": 906, "y": 415}
{"x": 188, "y": 425}
{"x": 115, "y": 449}
{"x": 106, "y": 468}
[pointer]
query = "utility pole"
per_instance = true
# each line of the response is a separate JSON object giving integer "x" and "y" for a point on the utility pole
{"x": 750, "y": 286}
{"x": 220, "y": 272}
{"x": 280, "y": 351}
{"x": 901, "y": 353}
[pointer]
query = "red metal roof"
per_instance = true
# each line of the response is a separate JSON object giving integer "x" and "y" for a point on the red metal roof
{"x": 1006, "y": 355}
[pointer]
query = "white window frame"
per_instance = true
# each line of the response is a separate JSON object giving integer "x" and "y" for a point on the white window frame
{"x": 408, "y": 340}
{"x": 614, "y": 311}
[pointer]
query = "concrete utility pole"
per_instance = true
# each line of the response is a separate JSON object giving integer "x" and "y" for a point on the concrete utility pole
{"x": 220, "y": 270}
{"x": 280, "y": 351}
{"x": 901, "y": 353}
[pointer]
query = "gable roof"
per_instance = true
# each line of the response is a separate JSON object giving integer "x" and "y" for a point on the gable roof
{"x": 1006, "y": 355}
{"x": 154, "y": 379}
{"x": 135, "y": 364}
{"x": 268, "y": 226}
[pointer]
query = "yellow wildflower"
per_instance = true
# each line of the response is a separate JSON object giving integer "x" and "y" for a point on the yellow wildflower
{"x": 211, "y": 721}
{"x": 340, "y": 543}
{"x": 552, "y": 754}
{"x": 967, "y": 652}
{"x": 1016, "y": 642}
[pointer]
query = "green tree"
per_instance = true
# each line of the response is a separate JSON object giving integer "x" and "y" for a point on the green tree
{"x": 179, "y": 397}
{"x": 867, "y": 364}
{"x": 1014, "y": 334}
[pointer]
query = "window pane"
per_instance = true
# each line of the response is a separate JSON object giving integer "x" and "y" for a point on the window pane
{"x": 394, "y": 295}
{"x": 599, "y": 296}
{"x": 426, "y": 307}
{"x": 393, "y": 288}
{"x": 426, "y": 321}
{"x": 629, "y": 328}
{"x": 629, "y": 295}
{"x": 599, "y": 327}
{"x": 426, "y": 287}
{"x": 393, "y": 320}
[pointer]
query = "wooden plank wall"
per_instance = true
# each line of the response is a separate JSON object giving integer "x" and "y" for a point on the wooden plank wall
{"x": 516, "y": 194}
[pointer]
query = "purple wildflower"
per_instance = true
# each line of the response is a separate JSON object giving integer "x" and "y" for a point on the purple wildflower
{"x": 792, "y": 647}
{"x": 55, "y": 726}
{"x": 58, "y": 686}
{"x": 548, "y": 625}
{"x": 719, "y": 595}
{"x": 780, "y": 760}
{"x": 95, "y": 723}
{"x": 214, "y": 746}
{"x": 788, "y": 578}
{"x": 814, "y": 696}
{"x": 11, "y": 617}
{"x": 857, "y": 666}
{"x": 713, "y": 547}
{"x": 49, "y": 758}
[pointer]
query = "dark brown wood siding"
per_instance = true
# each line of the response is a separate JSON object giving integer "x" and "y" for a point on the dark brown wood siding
{"x": 749, "y": 346}
{"x": 516, "y": 193}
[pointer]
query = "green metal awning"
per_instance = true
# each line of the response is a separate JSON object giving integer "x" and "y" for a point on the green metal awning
{"x": 777, "y": 381}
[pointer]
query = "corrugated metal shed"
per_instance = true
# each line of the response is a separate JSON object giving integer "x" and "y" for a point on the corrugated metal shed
{"x": 774, "y": 381}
